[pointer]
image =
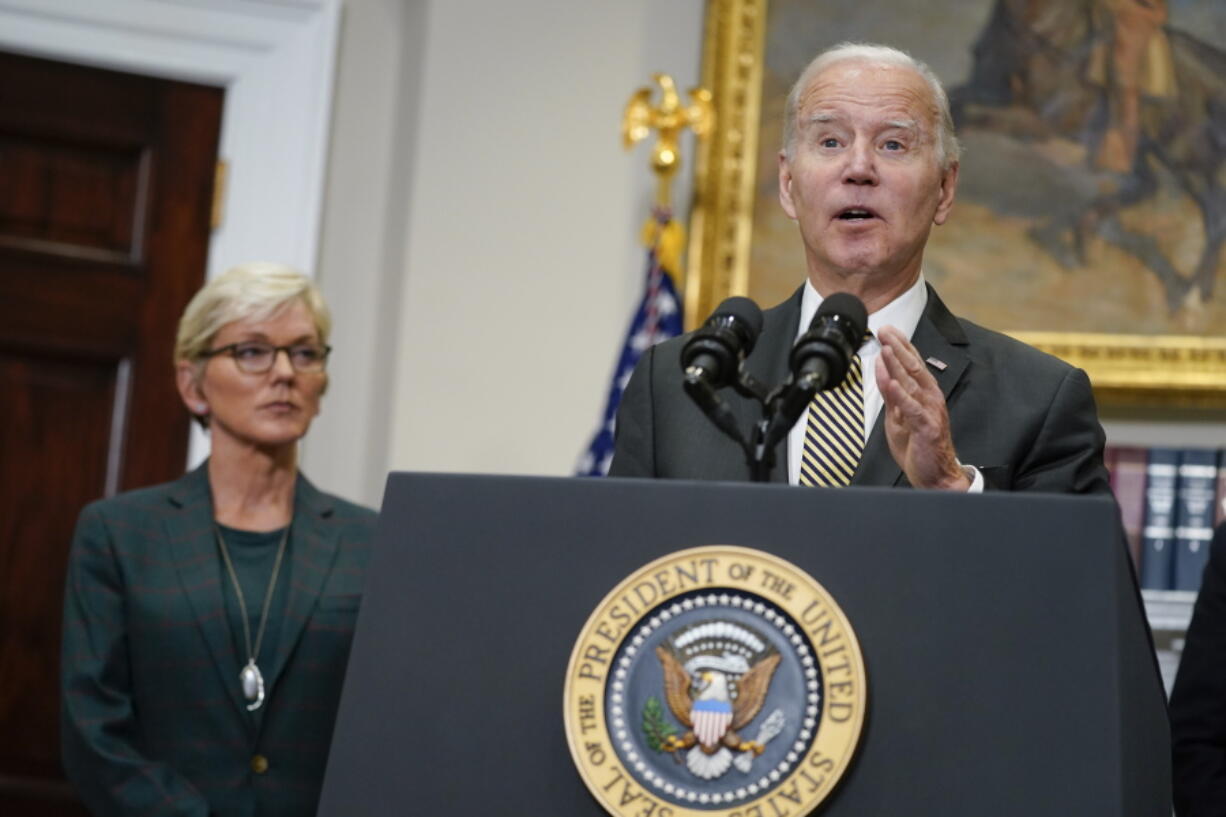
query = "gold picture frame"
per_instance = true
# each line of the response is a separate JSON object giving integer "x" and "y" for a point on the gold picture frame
{"x": 1166, "y": 370}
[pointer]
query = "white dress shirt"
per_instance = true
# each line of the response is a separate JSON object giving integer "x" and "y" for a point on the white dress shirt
{"x": 903, "y": 313}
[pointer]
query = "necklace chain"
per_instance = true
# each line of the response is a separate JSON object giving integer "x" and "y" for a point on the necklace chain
{"x": 238, "y": 591}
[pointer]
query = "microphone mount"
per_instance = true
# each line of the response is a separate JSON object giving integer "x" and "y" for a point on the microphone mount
{"x": 819, "y": 360}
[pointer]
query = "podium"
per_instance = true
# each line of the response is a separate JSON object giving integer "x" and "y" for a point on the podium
{"x": 1009, "y": 665}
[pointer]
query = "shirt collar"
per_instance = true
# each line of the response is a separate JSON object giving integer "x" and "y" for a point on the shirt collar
{"x": 903, "y": 313}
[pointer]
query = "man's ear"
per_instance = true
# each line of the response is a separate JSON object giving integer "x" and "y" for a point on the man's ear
{"x": 949, "y": 185}
{"x": 785, "y": 186}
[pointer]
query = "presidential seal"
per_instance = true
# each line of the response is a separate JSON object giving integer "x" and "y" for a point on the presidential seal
{"x": 715, "y": 681}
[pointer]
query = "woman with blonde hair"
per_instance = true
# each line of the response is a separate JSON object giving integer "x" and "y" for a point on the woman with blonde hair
{"x": 207, "y": 621}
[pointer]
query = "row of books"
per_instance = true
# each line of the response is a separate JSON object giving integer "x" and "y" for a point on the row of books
{"x": 1170, "y": 501}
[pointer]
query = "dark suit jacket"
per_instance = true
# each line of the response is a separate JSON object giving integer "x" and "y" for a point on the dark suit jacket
{"x": 1198, "y": 700}
{"x": 1026, "y": 419}
{"x": 153, "y": 721}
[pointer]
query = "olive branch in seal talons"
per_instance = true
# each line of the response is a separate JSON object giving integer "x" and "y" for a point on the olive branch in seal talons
{"x": 656, "y": 729}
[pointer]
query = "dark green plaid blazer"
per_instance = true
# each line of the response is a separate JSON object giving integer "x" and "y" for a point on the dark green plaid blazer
{"x": 152, "y": 717}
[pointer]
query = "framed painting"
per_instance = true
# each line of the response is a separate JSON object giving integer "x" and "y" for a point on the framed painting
{"x": 1091, "y": 208}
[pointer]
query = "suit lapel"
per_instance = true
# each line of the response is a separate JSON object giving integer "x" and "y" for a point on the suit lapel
{"x": 938, "y": 336}
{"x": 769, "y": 364}
{"x": 314, "y": 543}
{"x": 192, "y": 538}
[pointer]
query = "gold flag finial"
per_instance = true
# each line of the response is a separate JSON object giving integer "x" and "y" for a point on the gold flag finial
{"x": 670, "y": 118}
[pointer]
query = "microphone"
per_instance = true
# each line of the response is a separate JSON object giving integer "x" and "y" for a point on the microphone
{"x": 713, "y": 354}
{"x": 819, "y": 360}
{"x": 820, "y": 357}
{"x": 712, "y": 357}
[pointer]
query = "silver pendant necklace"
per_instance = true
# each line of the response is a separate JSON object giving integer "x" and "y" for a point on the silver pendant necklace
{"x": 250, "y": 677}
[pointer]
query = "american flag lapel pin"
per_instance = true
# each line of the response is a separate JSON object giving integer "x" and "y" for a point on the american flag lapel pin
{"x": 939, "y": 365}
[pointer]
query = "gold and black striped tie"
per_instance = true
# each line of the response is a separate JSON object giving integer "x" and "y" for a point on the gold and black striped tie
{"x": 834, "y": 434}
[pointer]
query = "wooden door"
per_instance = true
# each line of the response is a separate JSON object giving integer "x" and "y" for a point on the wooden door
{"x": 106, "y": 185}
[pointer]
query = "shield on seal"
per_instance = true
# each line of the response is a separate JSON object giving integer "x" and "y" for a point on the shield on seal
{"x": 711, "y": 719}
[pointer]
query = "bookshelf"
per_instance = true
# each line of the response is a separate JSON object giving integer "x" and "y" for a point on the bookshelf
{"x": 1194, "y": 507}
{"x": 1168, "y": 611}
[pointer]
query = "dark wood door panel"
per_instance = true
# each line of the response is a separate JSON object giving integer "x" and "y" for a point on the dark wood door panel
{"x": 45, "y": 98}
{"x": 105, "y": 196}
{"x": 82, "y": 307}
{"x": 112, "y": 218}
{"x": 33, "y": 797}
{"x": 50, "y": 404}
{"x": 78, "y": 200}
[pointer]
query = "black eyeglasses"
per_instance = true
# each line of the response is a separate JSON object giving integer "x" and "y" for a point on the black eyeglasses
{"x": 254, "y": 357}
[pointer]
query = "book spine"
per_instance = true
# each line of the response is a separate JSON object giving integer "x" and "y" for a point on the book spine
{"x": 1194, "y": 513}
{"x": 1158, "y": 534}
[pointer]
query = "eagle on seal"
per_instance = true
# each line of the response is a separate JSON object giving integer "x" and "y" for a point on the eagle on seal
{"x": 704, "y": 705}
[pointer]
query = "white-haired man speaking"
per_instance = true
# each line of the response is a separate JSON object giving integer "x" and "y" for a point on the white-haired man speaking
{"x": 869, "y": 165}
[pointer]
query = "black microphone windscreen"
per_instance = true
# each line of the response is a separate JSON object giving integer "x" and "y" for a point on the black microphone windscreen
{"x": 743, "y": 309}
{"x": 846, "y": 305}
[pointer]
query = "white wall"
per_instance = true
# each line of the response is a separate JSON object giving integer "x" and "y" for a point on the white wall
{"x": 361, "y": 262}
{"x": 480, "y": 238}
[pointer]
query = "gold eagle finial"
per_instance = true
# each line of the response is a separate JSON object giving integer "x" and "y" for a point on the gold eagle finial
{"x": 670, "y": 118}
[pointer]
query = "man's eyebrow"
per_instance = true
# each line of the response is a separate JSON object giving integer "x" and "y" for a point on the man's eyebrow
{"x": 821, "y": 118}
{"x": 897, "y": 124}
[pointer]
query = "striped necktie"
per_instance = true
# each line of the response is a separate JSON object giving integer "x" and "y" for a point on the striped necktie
{"x": 834, "y": 434}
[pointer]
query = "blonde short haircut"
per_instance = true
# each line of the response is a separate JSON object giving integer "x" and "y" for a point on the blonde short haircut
{"x": 251, "y": 291}
{"x": 948, "y": 149}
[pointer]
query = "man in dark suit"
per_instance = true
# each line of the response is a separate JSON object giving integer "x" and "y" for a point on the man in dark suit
{"x": 869, "y": 165}
{"x": 1198, "y": 700}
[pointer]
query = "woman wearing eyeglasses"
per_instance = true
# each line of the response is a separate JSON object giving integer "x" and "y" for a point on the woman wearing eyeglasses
{"x": 207, "y": 621}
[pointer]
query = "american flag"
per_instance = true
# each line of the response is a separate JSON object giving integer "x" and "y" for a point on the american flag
{"x": 658, "y": 318}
